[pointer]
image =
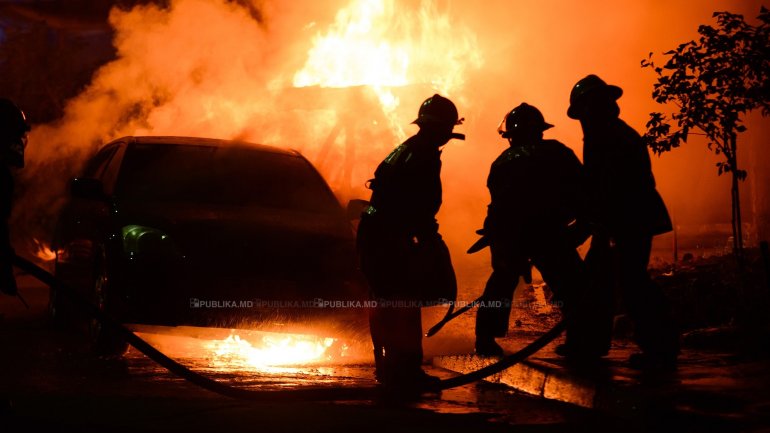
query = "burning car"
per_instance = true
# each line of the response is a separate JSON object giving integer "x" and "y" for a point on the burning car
{"x": 192, "y": 231}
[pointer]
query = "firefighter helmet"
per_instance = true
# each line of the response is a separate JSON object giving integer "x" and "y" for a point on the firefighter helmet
{"x": 13, "y": 132}
{"x": 591, "y": 85}
{"x": 524, "y": 118}
{"x": 438, "y": 109}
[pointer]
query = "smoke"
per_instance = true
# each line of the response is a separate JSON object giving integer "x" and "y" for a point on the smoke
{"x": 197, "y": 67}
{"x": 223, "y": 69}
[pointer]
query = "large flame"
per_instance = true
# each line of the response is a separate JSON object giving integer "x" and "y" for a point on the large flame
{"x": 212, "y": 68}
{"x": 384, "y": 44}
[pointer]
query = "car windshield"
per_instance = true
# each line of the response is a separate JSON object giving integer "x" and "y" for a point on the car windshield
{"x": 239, "y": 176}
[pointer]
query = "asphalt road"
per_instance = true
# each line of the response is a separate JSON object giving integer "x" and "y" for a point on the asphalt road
{"x": 51, "y": 379}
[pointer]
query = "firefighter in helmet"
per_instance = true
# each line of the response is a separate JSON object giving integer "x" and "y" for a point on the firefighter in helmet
{"x": 13, "y": 140}
{"x": 626, "y": 211}
{"x": 402, "y": 254}
{"x": 533, "y": 219}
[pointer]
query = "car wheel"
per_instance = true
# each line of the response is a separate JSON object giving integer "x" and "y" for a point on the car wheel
{"x": 105, "y": 341}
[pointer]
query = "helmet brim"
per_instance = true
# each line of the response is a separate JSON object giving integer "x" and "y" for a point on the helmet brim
{"x": 543, "y": 127}
{"x": 613, "y": 92}
{"x": 423, "y": 120}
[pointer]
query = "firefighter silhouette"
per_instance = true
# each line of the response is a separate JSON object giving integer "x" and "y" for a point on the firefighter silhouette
{"x": 13, "y": 140}
{"x": 534, "y": 218}
{"x": 625, "y": 211}
{"x": 402, "y": 254}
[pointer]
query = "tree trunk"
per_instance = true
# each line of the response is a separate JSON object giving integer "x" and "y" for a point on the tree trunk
{"x": 736, "y": 220}
{"x": 736, "y": 200}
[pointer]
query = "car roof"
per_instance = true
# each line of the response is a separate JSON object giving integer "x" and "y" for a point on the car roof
{"x": 203, "y": 142}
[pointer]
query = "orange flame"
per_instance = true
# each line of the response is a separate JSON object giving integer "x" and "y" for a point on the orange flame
{"x": 256, "y": 349}
{"x": 374, "y": 43}
{"x": 273, "y": 350}
{"x": 44, "y": 252}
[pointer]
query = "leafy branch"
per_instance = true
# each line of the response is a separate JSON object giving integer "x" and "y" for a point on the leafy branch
{"x": 713, "y": 82}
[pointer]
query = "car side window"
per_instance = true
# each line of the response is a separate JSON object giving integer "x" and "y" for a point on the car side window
{"x": 109, "y": 171}
{"x": 238, "y": 176}
{"x": 98, "y": 164}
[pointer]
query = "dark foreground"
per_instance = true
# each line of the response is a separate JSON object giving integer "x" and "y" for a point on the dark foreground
{"x": 50, "y": 379}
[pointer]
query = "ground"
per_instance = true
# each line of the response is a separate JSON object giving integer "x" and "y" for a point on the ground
{"x": 51, "y": 378}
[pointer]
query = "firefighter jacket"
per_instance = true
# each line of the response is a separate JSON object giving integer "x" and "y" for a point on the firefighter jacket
{"x": 6, "y": 252}
{"x": 536, "y": 192}
{"x": 621, "y": 187}
{"x": 406, "y": 189}
{"x": 401, "y": 251}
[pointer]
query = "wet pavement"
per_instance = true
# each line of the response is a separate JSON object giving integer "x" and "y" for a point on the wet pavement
{"x": 51, "y": 378}
{"x": 711, "y": 390}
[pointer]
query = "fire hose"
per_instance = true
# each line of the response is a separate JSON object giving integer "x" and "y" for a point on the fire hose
{"x": 315, "y": 394}
{"x": 451, "y": 315}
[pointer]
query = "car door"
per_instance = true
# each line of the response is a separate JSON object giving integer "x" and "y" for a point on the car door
{"x": 85, "y": 220}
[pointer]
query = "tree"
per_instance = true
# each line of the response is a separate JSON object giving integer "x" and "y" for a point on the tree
{"x": 714, "y": 81}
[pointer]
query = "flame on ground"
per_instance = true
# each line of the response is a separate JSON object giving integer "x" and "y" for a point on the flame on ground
{"x": 224, "y": 350}
{"x": 273, "y": 350}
